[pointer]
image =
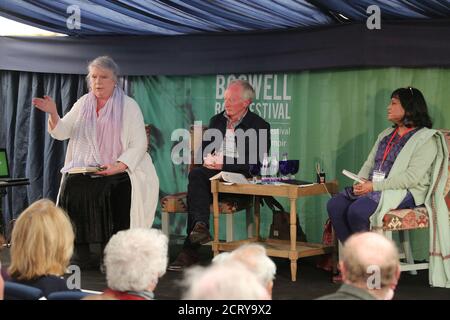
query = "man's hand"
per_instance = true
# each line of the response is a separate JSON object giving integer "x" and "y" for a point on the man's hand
{"x": 363, "y": 188}
{"x": 111, "y": 169}
{"x": 214, "y": 162}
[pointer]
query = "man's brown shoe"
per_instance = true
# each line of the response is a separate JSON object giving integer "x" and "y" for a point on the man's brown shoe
{"x": 185, "y": 259}
{"x": 200, "y": 234}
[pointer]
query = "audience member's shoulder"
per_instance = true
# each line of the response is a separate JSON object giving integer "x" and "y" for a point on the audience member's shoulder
{"x": 58, "y": 283}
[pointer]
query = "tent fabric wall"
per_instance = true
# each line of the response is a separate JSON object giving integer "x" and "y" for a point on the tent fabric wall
{"x": 400, "y": 44}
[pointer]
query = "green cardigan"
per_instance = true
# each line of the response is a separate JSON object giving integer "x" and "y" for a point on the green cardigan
{"x": 420, "y": 167}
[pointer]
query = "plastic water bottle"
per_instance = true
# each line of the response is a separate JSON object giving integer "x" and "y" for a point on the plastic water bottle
{"x": 274, "y": 169}
{"x": 283, "y": 167}
{"x": 265, "y": 174}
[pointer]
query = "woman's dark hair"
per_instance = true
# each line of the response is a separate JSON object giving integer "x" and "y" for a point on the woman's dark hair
{"x": 416, "y": 111}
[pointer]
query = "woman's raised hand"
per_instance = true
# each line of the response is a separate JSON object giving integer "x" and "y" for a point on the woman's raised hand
{"x": 46, "y": 104}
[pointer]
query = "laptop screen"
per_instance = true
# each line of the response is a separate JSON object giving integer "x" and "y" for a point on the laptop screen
{"x": 4, "y": 170}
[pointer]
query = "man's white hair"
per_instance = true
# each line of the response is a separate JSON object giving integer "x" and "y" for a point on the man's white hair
{"x": 248, "y": 93}
{"x": 135, "y": 258}
{"x": 223, "y": 281}
{"x": 255, "y": 258}
{"x": 366, "y": 249}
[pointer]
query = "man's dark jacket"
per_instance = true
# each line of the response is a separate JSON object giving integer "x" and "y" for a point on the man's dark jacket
{"x": 250, "y": 121}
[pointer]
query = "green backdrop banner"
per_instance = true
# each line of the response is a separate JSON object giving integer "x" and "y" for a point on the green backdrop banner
{"x": 331, "y": 117}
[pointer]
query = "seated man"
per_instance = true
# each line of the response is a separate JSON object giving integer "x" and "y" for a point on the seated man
{"x": 244, "y": 138}
{"x": 370, "y": 268}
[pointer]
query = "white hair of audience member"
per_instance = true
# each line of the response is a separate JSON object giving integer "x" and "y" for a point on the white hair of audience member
{"x": 221, "y": 257}
{"x": 223, "y": 281}
{"x": 255, "y": 258}
{"x": 135, "y": 259}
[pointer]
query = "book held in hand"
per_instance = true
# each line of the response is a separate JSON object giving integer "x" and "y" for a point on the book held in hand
{"x": 352, "y": 176}
{"x": 84, "y": 170}
{"x": 230, "y": 177}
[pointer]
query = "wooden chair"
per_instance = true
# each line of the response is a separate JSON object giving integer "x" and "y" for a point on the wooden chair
{"x": 176, "y": 203}
{"x": 405, "y": 220}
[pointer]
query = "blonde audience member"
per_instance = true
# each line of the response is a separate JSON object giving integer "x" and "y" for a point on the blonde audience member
{"x": 254, "y": 257}
{"x": 135, "y": 259}
{"x": 41, "y": 247}
{"x": 370, "y": 268}
{"x": 223, "y": 281}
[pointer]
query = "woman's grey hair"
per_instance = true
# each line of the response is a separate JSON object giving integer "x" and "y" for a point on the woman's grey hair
{"x": 248, "y": 93}
{"x": 104, "y": 62}
{"x": 255, "y": 258}
{"x": 135, "y": 258}
{"x": 230, "y": 281}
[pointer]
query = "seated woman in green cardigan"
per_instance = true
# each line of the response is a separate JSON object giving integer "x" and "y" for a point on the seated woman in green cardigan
{"x": 403, "y": 168}
{"x": 351, "y": 209}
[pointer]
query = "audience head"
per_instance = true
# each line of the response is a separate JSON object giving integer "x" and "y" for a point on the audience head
{"x": 135, "y": 259}
{"x": 223, "y": 281}
{"x": 370, "y": 261}
{"x": 415, "y": 107}
{"x": 254, "y": 257}
{"x": 42, "y": 242}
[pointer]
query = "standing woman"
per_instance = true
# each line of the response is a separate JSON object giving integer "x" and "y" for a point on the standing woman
{"x": 106, "y": 129}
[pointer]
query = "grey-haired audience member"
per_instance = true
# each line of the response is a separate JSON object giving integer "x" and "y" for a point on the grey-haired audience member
{"x": 370, "y": 268}
{"x": 223, "y": 281}
{"x": 254, "y": 257}
{"x": 135, "y": 259}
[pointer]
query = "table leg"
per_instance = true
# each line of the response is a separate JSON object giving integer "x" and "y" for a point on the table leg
{"x": 293, "y": 231}
{"x": 216, "y": 218}
{"x": 257, "y": 218}
{"x": 293, "y": 269}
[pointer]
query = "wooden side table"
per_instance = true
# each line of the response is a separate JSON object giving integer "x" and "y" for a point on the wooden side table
{"x": 290, "y": 249}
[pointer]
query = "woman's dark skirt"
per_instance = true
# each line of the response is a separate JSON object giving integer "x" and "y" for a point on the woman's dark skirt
{"x": 99, "y": 206}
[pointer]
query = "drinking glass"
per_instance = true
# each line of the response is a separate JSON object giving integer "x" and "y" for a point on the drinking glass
{"x": 284, "y": 169}
{"x": 293, "y": 167}
{"x": 254, "y": 170}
